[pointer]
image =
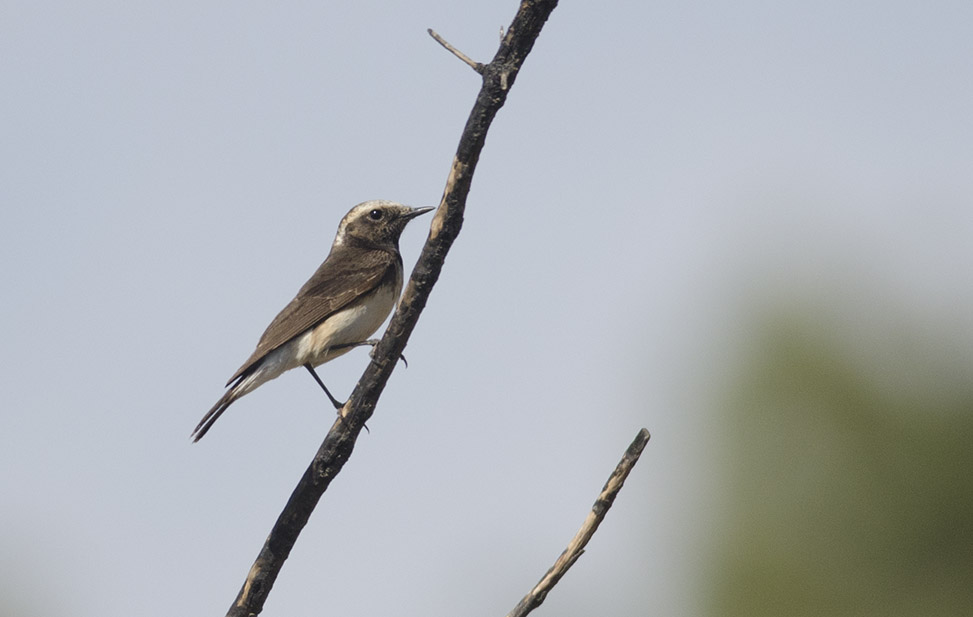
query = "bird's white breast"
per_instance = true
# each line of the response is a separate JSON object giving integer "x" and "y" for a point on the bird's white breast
{"x": 352, "y": 324}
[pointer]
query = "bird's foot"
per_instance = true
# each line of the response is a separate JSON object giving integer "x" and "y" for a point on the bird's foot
{"x": 372, "y": 342}
{"x": 364, "y": 426}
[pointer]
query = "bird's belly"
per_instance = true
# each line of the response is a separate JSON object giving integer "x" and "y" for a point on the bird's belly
{"x": 352, "y": 324}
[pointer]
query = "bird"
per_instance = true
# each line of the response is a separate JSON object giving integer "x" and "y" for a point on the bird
{"x": 338, "y": 308}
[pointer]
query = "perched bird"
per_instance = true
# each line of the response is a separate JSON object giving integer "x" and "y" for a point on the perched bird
{"x": 339, "y": 307}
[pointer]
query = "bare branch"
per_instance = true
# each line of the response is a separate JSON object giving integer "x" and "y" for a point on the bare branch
{"x": 575, "y": 548}
{"x": 498, "y": 78}
{"x": 476, "y": 66}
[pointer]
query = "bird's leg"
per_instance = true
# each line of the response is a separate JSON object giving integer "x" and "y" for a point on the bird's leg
{"x": 371, "y": 342}
{"x": 334, "y": 401}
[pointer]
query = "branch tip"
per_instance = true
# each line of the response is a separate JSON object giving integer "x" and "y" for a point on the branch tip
{"x": 535, "y": 597}
{"x": 476, "y": 66}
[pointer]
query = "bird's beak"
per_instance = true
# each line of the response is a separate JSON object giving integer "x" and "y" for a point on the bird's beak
{"x": 417, "y": 211}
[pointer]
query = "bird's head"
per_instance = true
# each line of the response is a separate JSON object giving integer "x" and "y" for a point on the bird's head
{"x": 376, "y": 224}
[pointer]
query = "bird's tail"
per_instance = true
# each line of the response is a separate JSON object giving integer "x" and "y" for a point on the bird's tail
{"x": 239, "y": 389}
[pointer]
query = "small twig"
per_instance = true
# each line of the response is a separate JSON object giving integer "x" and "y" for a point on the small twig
{"x": 476, "y": 66}
{"x": 575, "y": 548}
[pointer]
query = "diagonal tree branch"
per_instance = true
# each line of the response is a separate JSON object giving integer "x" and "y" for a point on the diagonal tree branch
{"x": 535, "y": 597}
{"x": 498, "y": 78}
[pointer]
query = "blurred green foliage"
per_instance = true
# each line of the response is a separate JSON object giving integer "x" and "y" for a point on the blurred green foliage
{"x": 845, "y": 496}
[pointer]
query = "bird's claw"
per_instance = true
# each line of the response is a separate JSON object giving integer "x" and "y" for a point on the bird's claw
{"x": 372, "y": 342}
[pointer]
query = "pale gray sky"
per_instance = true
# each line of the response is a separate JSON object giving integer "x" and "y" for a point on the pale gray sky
{"x": 170, "y": 174}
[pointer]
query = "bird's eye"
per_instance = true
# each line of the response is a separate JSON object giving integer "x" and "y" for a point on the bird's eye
{"x": 375, "y": 215}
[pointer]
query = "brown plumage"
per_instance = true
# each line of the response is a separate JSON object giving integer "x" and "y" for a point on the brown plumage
{"x": 344, "y": 302}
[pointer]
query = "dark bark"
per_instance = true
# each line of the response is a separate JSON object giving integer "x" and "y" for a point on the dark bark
{"x": 498, "y": 77}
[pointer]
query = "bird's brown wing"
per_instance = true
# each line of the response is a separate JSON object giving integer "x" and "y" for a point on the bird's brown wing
{"x": 347, "y": 273}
